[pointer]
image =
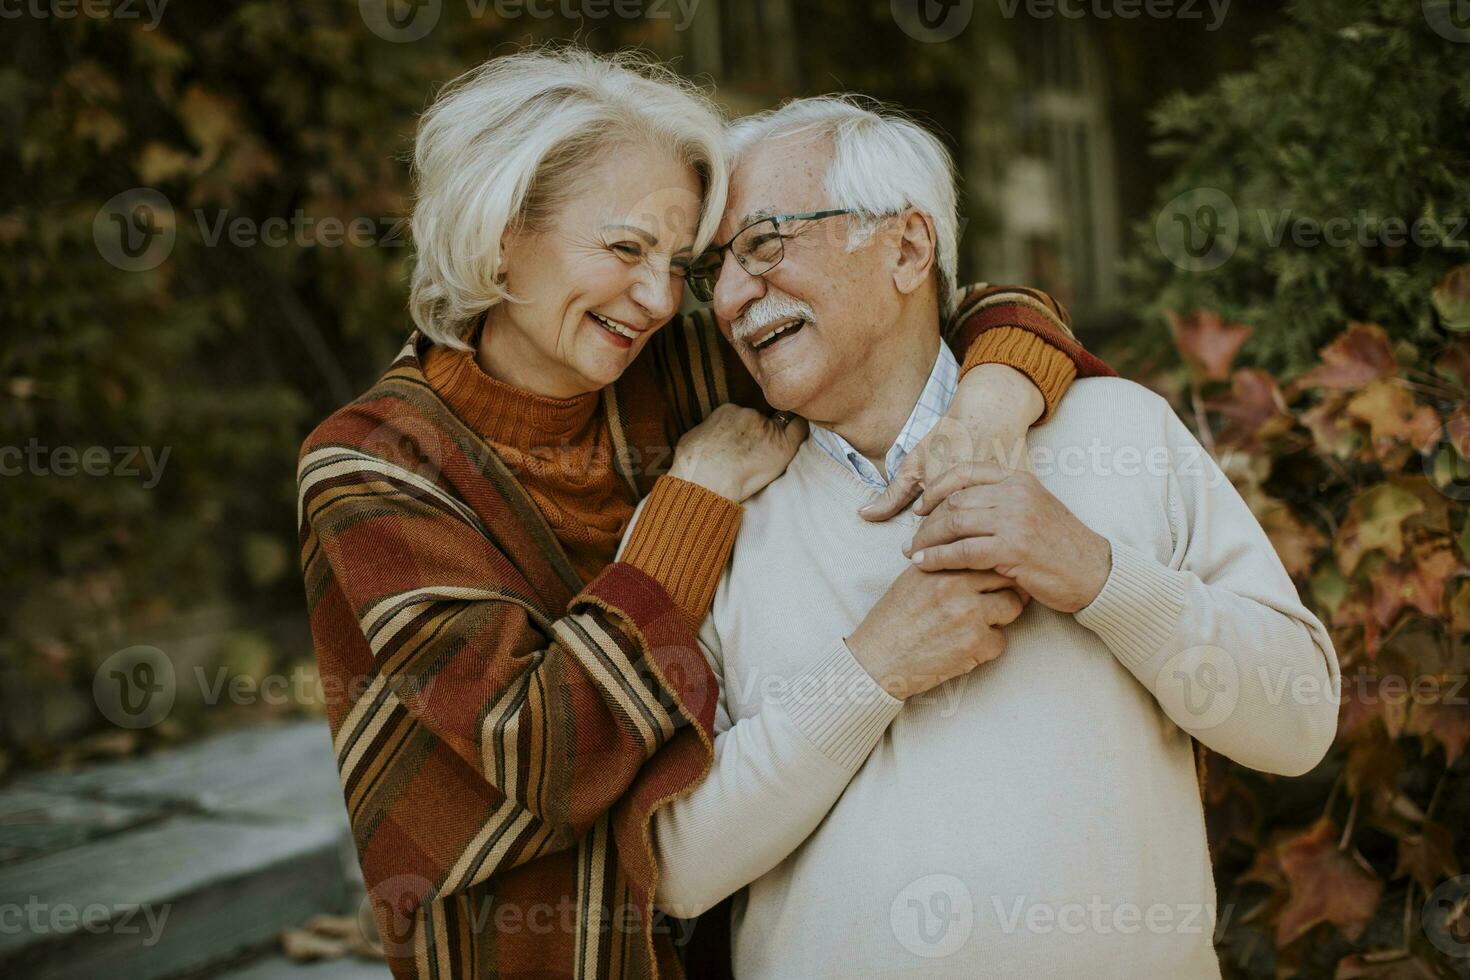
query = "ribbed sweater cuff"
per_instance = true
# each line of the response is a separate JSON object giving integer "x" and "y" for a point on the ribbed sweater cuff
{"x": 839, "y": 707}
{"x": 1049, "y": 369}
{"x": 682, "y": 540}
{"x": 1138, "y": 608}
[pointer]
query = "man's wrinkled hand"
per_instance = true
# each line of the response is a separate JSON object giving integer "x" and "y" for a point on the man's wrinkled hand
{"x": 986, "y": 517}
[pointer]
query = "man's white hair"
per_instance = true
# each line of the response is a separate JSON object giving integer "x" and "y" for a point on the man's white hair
{"x": 882, "y": 163}
{"x": 506, "y": 143}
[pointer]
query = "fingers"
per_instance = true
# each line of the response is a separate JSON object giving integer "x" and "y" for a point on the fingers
{"x": 957, "y": 478}
{"x": 977, "y": 554}
{"x": 903, "y": 488}
{"x": 951, "y": 524}
{"x": 795, "y": 432}
{"x": 1001, "y": 608}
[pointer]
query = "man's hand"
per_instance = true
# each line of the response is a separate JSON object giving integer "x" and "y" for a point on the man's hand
{"x": 986, "y": 517}
{"x": 929, "y": 627}
{"x": 993, "y": 407}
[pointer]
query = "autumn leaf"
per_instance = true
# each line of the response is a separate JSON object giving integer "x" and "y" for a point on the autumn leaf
{"x": 1394, "y": 417}
{"x": 1360, "y": 355}
{"x": 1326, "y": 886}
{"x": 1253, "y": 404}
{"x": 1457, "y": 427}
{"x": 1358, "y": 708}
{"x": 1374, "y": 762}
{"x": 1454, "y": 362}
{"x": 1296, "y": 542}
{"x": 1428, "y": 856}
{"x": 1208, "y": 344}
{"x": 1375, "y": 522}
{"x": 1449, "y": 723}
{"x": 1419, "y": 582}
{"x": 1452, "y": 298}
{"x": 1356, "y": 609}
{"x": 1360, "y": 966}
{"x": 102, "y": 128}
{"x": 159, "y": 162}
{"x": 1334, "y": 432}
{"x": 1460, "y": 609}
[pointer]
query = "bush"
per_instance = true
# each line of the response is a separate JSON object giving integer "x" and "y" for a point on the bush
{"x": 1276, "y": 245}
{"x": 1326, "y": 186}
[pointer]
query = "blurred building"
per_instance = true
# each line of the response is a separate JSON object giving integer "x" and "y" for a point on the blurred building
{"x": 1046, "y": 113}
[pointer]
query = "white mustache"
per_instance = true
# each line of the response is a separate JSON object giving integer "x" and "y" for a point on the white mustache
{"x": 767, "y": 310}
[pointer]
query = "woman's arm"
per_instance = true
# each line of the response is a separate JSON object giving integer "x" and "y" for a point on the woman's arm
{"x": 775, "y": 775}
{"x": 461, "y": 692}
{"x": 1025, "y": 329}
{"x": 1010, "y": 334}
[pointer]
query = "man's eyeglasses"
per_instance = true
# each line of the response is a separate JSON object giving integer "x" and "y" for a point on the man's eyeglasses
{"x": 759, "y": 247}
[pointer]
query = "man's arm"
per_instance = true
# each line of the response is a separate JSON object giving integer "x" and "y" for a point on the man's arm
{"x": 1219, "y": 634}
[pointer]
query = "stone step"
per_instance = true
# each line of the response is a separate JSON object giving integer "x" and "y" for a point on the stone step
{"x": 148, "y": 868}
{"x": 280, "y": 968}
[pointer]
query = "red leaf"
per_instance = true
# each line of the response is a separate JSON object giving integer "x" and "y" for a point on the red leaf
{"x": 1360, "y": 355}
{"x": 1448, "y": 723}
{"x": 1207, "y": 343}
{"x": 1326, "y": 886}
{"x": 1458, "y": 428}
{"x": 1429, "y": 856}
{"x": 1419, "y": 583}
{"x": 1254, "y": 400}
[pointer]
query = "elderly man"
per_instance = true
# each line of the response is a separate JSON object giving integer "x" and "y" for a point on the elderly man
{"x": 892, "y": 794}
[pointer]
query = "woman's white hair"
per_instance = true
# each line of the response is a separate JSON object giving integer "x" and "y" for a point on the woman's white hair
{"x": 882, "y": 163}
{"x": 504, "y": 144}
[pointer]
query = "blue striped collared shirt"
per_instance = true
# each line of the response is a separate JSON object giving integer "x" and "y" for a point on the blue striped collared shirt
{"x": 928, "y": 410}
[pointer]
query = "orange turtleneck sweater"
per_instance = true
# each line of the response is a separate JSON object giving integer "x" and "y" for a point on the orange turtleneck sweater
{"x": 561, "y": 450}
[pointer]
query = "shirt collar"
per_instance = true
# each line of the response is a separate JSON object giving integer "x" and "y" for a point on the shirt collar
{"x": 933, "y": 402}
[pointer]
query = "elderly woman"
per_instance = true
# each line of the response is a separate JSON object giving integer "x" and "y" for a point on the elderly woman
{"x": 516, "y": 703}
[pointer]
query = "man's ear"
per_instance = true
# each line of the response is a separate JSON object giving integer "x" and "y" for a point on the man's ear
{"x": 917, "y": 251}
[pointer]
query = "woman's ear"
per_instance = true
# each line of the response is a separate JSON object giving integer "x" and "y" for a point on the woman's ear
{"x": 502, "y": 270}
{"x": 917, "y": 251}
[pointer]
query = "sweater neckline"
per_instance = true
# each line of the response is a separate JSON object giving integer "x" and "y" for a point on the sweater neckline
{"x": 503, "y": 413}
{"x": 811, "y": 460}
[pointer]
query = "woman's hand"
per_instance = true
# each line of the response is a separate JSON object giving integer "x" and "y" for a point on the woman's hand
{"x": 986, "y": 422}
{"x": 736, "y": 451}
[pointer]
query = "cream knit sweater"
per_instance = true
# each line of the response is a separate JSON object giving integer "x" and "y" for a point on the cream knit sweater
{"x": 1038, "y": 817}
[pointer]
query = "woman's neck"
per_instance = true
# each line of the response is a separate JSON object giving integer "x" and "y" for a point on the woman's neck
{"x": 505, "y": 355}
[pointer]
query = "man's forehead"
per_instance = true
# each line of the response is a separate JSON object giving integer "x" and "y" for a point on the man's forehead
{"x": 777, "y": 176}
